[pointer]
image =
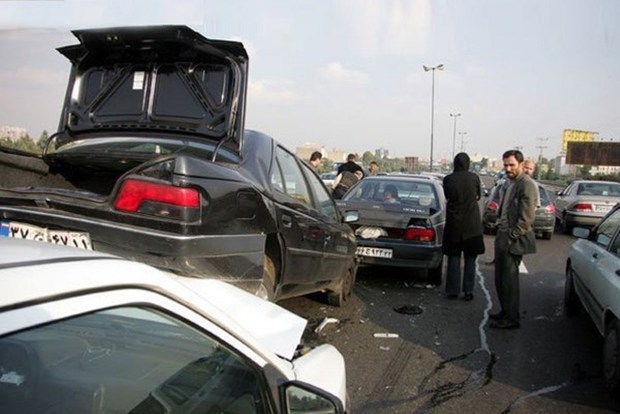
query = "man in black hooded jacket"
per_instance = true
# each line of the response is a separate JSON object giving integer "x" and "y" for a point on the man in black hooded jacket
{"x": 463, "y": 231}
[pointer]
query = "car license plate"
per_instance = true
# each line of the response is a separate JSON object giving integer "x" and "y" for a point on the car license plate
{"x": 19, "y": 230}
{"x": 603, "y": 209}
{"x": 374, "y": 252}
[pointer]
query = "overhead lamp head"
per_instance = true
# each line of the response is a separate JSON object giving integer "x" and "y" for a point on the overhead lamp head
{"x": 440, "y": 66}
{"x": 426, "y": 68}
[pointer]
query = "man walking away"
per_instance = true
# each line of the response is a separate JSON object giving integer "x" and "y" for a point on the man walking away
{"x": 350, "y": 165}
{"x": 514, "y": 238}
{"x": 463, "y": 232}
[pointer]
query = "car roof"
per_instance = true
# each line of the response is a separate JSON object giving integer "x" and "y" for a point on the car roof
{"x": 404, "y": 178}
{"x": 32, "y": 271}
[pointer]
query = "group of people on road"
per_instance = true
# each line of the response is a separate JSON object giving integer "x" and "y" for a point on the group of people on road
{"x": 463, "y": 238}
{"x": 515, "y": 232}
{"x": 348, "y": 173}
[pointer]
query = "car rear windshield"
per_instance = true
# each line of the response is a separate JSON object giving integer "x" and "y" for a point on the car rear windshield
{"x": 132, "y": 150}
{"x": 413, "y": 193}
{"x": 599, "y": 189}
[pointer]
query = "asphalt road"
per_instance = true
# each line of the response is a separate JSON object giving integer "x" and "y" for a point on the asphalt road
{"x": 445, "y": 359}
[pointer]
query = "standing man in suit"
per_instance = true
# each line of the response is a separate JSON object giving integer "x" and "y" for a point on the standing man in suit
{"x": 515, "y": 237}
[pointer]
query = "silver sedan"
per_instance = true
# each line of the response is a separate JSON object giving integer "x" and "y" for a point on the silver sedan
{"x": 584, "y": 202}
{"x": 593, "y": 284}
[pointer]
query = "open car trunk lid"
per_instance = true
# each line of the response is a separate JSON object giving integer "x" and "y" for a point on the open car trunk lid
{"x": 154, "y": 78}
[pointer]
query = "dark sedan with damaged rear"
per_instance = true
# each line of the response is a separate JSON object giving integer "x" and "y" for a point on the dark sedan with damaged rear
{"x": 398, "y": 221}
{"x": 151, "y": 162}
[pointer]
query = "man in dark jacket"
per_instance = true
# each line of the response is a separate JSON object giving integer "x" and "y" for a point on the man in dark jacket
{"x": 350, "y": 165}
{"x": 463, "y": 231}
{"x": 515, "y": 237}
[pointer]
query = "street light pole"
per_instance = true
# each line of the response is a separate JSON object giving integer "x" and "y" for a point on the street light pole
{"x": 462, "y": 133}
{"x": 540, "y": 157}
{"x": 454, "y": 132}
{"x": 426, "y": 69}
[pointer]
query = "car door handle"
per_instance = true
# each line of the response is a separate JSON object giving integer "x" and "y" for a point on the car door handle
{"x": 287, "y": 221}
{"x": 618, "y": 272}
{"x": 595, "y": 255}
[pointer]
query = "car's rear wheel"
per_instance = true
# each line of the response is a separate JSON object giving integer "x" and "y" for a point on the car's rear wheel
{"x": 572, "y": 303}
{"x": 267, "y": 288}
{"x": 547, "y": 235}
{"x": 342, "y": 294}
{"x": 435, "y": 274}
{"x": 611, "y": 357}
{"x": 565, "y": 226}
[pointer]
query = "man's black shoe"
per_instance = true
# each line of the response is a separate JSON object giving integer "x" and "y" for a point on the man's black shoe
{"x": 504, "y": 324}
{"x": 496, "y": 316}
{"x": 468, "y": 297}
{"x": 452, "y": 296}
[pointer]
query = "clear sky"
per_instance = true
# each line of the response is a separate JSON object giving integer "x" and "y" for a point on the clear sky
{"x": 347, "y": 74}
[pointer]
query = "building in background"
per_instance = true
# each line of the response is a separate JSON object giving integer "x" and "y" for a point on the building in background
{"x": 305, "y": 151}
{"x": 12, "y": 133}
{"x": 381, "y": 153}
{"x": 560, "y": 166}
{"x": 411, "y": 163}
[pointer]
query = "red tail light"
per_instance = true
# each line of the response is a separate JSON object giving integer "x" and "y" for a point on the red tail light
{"x": 157, "y": 199}
{"x": 419, "y": 234}
{"x": 550, "y": 208}
{"x": 493, "y": 205}
{"x": 582, "y": 207}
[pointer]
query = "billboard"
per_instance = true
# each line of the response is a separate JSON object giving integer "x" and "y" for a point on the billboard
{"x": 593, "y": 153}
{"x": 576, "y": 135}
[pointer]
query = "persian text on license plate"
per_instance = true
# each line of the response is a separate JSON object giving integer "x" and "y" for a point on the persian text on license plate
{"x": 374, "y": 252}
{"x": 19, "y": 230}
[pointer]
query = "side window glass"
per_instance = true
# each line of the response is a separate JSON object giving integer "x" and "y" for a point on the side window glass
{"x": 615, "y": 246}
{"x": 606, "y": 229}
{"x": 325, "y": 202}
{"x": 129, "y": 359}
{"x": 293, "y": 179}
{"x": 277, "y": 181}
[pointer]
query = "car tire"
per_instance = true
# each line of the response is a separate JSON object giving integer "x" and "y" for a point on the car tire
{"x": 547, "y": 235}
{"x": 572, "y": 303}
{"x": 341, "y": 295}
{"x": 566, "y": 227}
{"x": 435, "y": 274}
{"x": 611, "y": 357}
{"x": 266, "y": 290}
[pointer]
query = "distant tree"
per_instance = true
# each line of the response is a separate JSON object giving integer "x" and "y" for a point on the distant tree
{"x": 42, "y": 140}
{"x": 584, "y": 171}
{"x": 393, "y": 164}
{"x": 367, "y": 157}
{"x": 24, "y": 143}
{"x": 327, "y": 165}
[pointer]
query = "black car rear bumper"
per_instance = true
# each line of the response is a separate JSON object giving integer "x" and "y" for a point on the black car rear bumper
{"x": 404, "y": 254}
{"x": 234, "y": 258}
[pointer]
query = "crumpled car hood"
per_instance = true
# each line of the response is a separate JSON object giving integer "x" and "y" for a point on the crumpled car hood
{"x": 278, "y": 329}
{"x": 167, "y": 79}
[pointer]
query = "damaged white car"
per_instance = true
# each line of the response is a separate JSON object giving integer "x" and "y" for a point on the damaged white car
{"x": 83, "y": 331}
